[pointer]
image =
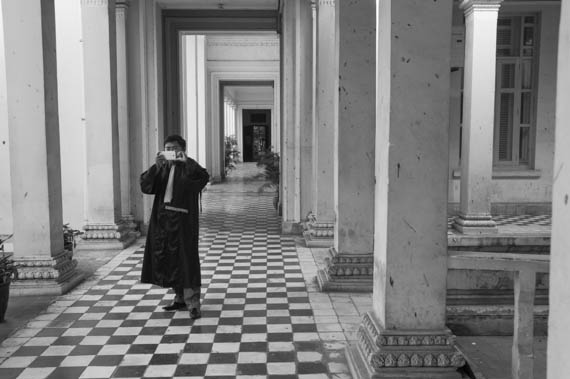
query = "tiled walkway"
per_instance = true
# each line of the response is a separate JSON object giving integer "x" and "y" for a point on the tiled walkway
{"x": 261, "y": 317}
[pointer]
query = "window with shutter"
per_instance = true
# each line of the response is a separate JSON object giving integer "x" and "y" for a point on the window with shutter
{"x": 515, "y": 98}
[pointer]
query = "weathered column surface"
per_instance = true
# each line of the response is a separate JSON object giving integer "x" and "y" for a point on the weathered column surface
{"x": 104, "y": 228}
{"x": 350, "y": 263}
{"x": 319, "y": 228}
{"x": 44, "y": 267}
{"x": 405, "y": 334}
{"x": 478, "y": 117}
{"x": 558, "y": 331}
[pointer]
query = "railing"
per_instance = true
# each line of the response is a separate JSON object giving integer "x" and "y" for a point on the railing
{"x": 525, "y": 267}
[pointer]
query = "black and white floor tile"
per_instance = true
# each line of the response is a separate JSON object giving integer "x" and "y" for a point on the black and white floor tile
{"x": 257, "y": 319}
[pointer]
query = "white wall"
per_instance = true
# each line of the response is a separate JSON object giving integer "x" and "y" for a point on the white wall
{"x": 71, "y": 110}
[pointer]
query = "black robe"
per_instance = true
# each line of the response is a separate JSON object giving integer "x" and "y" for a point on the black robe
{"x": 171, "y": 256}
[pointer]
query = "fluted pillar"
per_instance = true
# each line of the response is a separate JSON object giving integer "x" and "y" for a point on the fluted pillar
{"x": 319, "y": 228}
{"x": 405, "y": 335}
{"x": 104, "y": 228}
{"x": 350, "y": 262}
{"x": 558, "y": 331}
{"x": 194, "y": 95}
{"x": 121, "y": 12}
{"x": 478, "y": 117}
{"x": 44, "y": 267}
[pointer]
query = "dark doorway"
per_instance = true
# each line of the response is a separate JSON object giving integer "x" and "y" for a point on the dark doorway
{"x": 256, "y": 133}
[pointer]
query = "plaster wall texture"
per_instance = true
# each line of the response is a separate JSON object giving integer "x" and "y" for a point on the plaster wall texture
{"x": 31, "y": 86}
{"x": 355, "y": 150}
{"x": 410, "y": 250}
{"x": 558, "y": 331}
{"x": 537, "y": 190}
{"x": 326, "y": 113}
{"x": 6, "y": 224}
{"x": 71, "y": 110}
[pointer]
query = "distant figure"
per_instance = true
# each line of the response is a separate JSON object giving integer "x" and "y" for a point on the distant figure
{"x": 171, "y": 252}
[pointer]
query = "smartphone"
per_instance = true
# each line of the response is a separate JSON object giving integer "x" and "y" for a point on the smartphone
{"x": 169, "y": 155}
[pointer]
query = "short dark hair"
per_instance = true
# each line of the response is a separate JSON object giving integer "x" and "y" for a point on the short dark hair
{"x": 176, "y": 138}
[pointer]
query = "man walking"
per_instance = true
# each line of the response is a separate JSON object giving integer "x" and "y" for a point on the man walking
{"x": 171, "y": 256}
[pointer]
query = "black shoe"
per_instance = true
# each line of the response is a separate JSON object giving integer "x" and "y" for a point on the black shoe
{"x": 174, "y": 306}
{"x": 195, "y": 313}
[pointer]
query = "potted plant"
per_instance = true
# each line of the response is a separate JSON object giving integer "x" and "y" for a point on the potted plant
{"x": 231, "y": 154}
{"x": 269, "y": 160}
{"x": 7, "y": 272}
{"x": 69, "y": 235}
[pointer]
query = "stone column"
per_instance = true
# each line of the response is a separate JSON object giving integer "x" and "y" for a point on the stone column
{"x": 239, "y": 131}
{"x": 558, "y": 331}
{"x": 304, "y": 104}
{"x": 350, "y": 264}
{"x": 104, "y": 228}
{"x": 405, "y": 334}
{"x": 123, "y": 116}
{"x": 290, "y": 191}
{"x": 319, "y": 228}
{"x": 478, "y": 117}
{"x": 193, "y": 51}
{"x": 5, "y": 186}
{"x": 44, "y": 267}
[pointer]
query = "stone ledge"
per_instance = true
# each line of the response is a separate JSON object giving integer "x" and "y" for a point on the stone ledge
{"x": 311, "y": 241}
{"x": 45, "y": 287}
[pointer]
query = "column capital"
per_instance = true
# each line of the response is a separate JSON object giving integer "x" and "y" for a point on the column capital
{"x": 95, "y": 3}
{"x": 470, "y": 6}
{"x": 122, "y": 4}
{"x": 329, "y": 3}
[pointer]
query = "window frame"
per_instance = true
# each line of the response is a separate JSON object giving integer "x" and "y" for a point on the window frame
{"x": 514, "y": 163}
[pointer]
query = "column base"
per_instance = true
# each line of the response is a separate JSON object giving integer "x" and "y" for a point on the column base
{"x": 108, "y": 236}
{"x": 318, "y": 234}
{"x": 398, "y": 354}
{"x": 40, "y": 275}
{"x": 131, "y": 225}
{"x": 475, "y": 224}
{"x": 346, "y": 272}
{"x": 291, "y": 227}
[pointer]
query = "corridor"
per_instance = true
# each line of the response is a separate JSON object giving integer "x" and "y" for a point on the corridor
{"x": 262, "y": 316}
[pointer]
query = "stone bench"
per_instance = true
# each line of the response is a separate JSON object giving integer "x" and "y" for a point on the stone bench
{"x": 525, "y": 267}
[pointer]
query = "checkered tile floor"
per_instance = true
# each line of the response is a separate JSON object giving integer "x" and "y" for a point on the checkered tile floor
{"x": 257, "y": 320}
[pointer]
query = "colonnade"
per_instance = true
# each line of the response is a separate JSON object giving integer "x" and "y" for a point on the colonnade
{"x": 97, "y": 157}
{"x": 381, "y": 206}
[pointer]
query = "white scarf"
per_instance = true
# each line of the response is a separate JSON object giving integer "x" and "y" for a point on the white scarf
{"x": 169, "y": 185}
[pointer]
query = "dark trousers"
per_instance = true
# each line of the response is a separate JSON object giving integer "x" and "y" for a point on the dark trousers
{"x": 190, "y": 296}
